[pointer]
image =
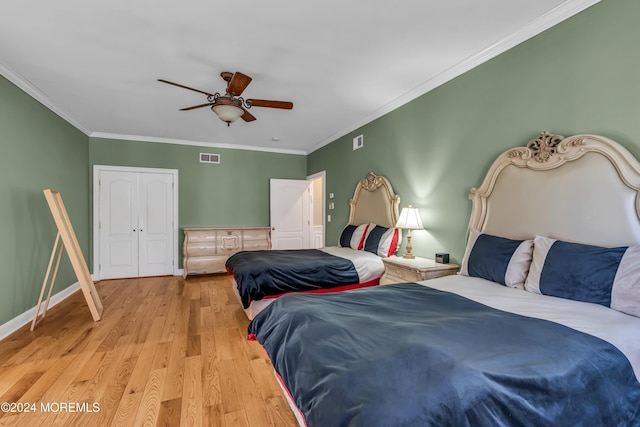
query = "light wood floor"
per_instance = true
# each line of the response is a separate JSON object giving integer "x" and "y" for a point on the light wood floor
{"x": 167, "y": 352}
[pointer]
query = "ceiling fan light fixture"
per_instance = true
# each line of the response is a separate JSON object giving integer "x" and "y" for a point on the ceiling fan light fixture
{"x": 227, "y": 109}
{"x": 230, "y": 107}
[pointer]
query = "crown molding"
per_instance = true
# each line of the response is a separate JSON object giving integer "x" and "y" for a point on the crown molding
{"x": 533, "y": 28}
{"x": 138, "y": 138}
{"x": 39, "y": 96}
{"x": 35, "y": 93}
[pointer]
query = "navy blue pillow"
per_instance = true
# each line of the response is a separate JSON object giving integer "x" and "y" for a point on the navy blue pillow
{"x": 373, "y": 239}
{"x": 587, "y": 273}
{"x": 347, "y": 233}
{"x": 490, "y": 257}
{"x": 580, "y": 272}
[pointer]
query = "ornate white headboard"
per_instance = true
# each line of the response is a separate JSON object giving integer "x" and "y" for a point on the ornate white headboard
{"x": 374, "y": 202}
{"x": 583, "y": 188}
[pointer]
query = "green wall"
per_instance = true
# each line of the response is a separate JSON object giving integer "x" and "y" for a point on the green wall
{"x": 39, "y": 151}
{"x": 580, "y": 76}
{"x": 232, "y": 193}
{"x": 577, "y": 77}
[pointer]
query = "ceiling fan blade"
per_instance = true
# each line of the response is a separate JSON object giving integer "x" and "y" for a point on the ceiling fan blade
{"x": 247, "y": 116}
{"x": 197, "y": 106}
{"x": 185, "y": 87}
{"x": 270, "y": 104}
{"x": 238, "y": 83}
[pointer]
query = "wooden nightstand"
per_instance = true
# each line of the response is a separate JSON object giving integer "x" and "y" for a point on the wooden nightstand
{"x": 399, "y": 270}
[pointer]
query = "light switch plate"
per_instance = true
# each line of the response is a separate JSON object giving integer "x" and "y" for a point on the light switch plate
{"x": 358, "y": 142}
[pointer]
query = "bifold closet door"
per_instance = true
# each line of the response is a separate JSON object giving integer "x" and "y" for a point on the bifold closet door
{"x": 155, "y": 224}
{"x": 135, "y": 224}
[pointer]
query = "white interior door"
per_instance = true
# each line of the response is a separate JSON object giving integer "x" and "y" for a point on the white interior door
{"x": 155, "y": 224}
{"x": 290, "y": 212}
{"x": 118, "y": 223}
{"x": 135, "y": 225}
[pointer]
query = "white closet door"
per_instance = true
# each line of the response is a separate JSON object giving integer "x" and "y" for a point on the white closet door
{"x": 136, "y": 225}
{"x": 118, "y": 224}
{"x": 155, "y": 221}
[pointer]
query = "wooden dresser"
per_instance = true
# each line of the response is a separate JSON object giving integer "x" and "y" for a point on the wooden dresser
{"x": 205, "y": 250}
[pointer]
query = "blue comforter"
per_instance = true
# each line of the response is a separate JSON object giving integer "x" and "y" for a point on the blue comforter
{"x": 409, "y": 355}
{"x": 266, "y": 273}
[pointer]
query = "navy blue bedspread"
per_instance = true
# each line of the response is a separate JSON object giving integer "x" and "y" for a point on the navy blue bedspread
{"x": 408, "y": 355}
{"x": 264, "y": 273}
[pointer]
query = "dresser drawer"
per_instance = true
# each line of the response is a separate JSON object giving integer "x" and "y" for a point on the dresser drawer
{"x": 205, "y": 265}
{"x": 403, "y": 275}
{"x": 261, "y": 234}
{"x": 438, "y": 273}
{"x": 199, "y": 249}
{"x": 201, "y": 235}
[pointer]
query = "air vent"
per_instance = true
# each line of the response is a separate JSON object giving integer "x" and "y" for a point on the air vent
{"x": 209, "y": 158}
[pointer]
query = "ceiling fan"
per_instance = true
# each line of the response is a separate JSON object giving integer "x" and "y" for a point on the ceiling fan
{"x": 231, "y": 106}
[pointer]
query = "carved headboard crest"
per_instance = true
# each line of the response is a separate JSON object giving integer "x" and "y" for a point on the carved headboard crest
{"x": 372, "y": 181}
{"x": 546, "y": 147}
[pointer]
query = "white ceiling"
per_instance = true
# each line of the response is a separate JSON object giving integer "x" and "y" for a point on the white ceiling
{"x": 342, "y": 63}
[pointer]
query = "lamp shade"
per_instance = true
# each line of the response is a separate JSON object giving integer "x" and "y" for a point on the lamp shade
{"x": 410, "y": 219}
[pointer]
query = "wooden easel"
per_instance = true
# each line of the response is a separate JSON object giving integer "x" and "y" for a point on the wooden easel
{"x": 70, "y": 242}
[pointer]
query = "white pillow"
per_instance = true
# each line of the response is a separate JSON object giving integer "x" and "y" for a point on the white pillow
{"x": 357, "y": 239}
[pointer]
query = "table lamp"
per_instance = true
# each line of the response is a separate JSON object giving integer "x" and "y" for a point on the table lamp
{"x": 409, "y": 220}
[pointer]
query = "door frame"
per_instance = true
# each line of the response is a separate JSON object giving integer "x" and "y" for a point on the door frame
{"x": 96, "y": 210}
{"x": 322, "y": 174}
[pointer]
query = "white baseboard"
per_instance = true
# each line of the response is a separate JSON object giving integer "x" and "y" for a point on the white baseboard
{"x": 27, "y": 317}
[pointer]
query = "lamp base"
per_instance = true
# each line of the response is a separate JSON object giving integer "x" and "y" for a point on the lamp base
{"x": 409, "y": 255}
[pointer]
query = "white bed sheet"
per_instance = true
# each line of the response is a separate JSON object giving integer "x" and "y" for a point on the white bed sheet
{"x": 368, "y": 265}
{"x": 619, "y": 329}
